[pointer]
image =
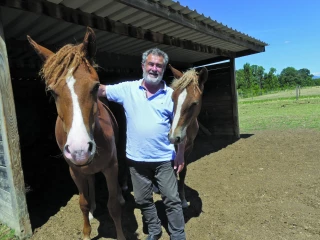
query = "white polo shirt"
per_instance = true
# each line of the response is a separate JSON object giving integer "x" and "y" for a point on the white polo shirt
{"x": 148, "y": 120}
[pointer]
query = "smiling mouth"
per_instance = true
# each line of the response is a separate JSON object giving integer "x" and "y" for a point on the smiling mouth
{"x": 154, "y": 74}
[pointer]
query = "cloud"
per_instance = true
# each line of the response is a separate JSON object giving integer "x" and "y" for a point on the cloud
{"x": 316, "y": 73}
{"x": 286, "y": 42}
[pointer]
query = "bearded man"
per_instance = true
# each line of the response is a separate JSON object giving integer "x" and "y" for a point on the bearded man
{"x": 151, "y": 157}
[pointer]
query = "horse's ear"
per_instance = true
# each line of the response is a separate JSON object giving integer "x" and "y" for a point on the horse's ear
{"x": 43, "y": 52}
{"x": 89, "y": 44}
{"x": 203, "y": 76}
{"x": 176, "y": 73}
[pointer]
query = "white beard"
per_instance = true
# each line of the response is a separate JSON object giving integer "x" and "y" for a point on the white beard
{"x": 151, "y": 80}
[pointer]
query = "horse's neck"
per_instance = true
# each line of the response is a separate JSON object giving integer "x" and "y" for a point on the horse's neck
{"x": 106, "y": 124}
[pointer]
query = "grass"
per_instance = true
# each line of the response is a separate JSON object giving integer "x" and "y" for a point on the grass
{"x": 304, "y": 92}
{"x": 281, "y": 111}
{"x": 6, "y": 233}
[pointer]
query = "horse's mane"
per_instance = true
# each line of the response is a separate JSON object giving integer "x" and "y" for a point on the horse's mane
{"x": 190, "y": 76}
{"x": 56, "y": 67}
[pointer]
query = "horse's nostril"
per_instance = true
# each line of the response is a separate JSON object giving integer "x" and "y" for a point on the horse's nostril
{"x": 66, "y": 148}
{"x": 90, "y": 146}
{"x": 177, "y": 139}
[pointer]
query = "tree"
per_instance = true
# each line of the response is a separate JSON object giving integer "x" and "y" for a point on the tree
{"x": 289, "y": 77}
{"x": 271, "y": 81}
{"x": 258, "y": 73}
{"x": 247, "y": 74}
{"x": 305, "y": 77}
{"x": 252, "y": 80}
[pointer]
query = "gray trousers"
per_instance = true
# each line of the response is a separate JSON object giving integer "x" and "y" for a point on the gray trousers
{"x": 142, "y": 175}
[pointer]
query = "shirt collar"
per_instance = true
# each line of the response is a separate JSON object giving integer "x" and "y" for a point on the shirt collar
{"x": 164, "y": 85}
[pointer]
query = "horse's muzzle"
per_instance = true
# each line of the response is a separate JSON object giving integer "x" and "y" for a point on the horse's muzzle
{"x": 80, "y": 155}
{"x": 174, "y": 139}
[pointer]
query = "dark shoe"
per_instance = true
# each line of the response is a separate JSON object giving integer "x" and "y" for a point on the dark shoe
{"x": 154, "y": 237}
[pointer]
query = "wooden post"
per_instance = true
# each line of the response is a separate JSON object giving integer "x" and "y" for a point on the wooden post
{"x": 234, "y": 99}
{"x": 13, "y": 206}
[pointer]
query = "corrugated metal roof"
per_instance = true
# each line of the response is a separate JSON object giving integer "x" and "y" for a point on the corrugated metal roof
{"x": 50, "y": 31}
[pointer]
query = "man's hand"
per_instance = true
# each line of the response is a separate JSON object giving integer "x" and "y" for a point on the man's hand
{"x": 179, "y": 160}
{"x": 102, "y": 91}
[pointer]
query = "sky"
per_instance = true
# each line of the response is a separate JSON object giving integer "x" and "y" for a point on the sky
{"x": 291, "y": 28}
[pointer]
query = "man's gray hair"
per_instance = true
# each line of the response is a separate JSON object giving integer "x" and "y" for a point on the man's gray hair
{"x": 157, "y": 52}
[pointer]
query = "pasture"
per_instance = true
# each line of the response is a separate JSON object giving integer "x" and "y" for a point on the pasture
{"x": 263, "y": 186}
{"x": 280, "y": 111}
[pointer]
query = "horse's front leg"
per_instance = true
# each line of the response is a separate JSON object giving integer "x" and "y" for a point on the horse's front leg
{"x": 84, "y": 185}
{"x": 182, "y": 177}
{"x": 115, "y": 197}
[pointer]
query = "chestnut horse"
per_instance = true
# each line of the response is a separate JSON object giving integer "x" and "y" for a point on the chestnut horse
{"x": 85, "y": 128}
{"x": 187, "y": 97}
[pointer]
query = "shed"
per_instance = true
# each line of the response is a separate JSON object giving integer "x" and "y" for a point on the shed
{"x": 124, "y": 29}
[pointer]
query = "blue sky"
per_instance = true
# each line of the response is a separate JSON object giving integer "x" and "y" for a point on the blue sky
{"x": 290, "y": 27}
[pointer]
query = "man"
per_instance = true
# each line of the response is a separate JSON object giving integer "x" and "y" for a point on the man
{"x": 149, "y": 112}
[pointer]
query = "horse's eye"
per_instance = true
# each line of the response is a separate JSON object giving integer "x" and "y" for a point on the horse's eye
{"x": 95, "y": 88}
{"x": 53, "y": 93}
{"x": 194, "y": 104}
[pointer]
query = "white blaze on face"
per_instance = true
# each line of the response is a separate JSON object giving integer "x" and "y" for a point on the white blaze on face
{"x": 78, "y": 137}
{"x": 182, "y": 97}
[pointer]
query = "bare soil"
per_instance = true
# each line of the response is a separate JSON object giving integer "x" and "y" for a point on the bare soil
{"x": 264, "y": 186}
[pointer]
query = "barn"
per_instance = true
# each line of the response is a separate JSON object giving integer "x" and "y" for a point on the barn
{"x": 124, "y": 29}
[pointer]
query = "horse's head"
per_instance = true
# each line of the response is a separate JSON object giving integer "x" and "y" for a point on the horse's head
{"x": 187, "y": 97}
{"x": 74, "y": 83}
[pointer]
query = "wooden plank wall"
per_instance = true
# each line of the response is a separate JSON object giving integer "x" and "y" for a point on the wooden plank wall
{"x": 13, "y": 208}
{"x": 6, "y": 211}
{"x": 217, "y": 112}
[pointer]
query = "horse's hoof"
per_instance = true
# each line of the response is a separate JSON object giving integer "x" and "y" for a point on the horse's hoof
{"x": 184, "y": 204}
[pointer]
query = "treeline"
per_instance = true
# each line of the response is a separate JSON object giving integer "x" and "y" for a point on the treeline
{"x": 252, "y": 80}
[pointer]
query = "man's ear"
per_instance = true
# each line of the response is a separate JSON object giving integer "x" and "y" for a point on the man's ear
{"x": 42, "y": 52}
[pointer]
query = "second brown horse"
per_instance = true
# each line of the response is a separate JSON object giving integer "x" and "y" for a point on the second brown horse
{"x": 187, "y": 97}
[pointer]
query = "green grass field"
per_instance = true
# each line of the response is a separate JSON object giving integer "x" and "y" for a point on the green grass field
{"x": 281, "y": 111}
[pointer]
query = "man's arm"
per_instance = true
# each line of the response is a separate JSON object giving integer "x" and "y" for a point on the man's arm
{"x": 179, "y": 160}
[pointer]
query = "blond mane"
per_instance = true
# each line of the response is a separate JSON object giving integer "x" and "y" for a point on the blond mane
{"x": 57, "y": 66}
{"x": 190, "y": 76}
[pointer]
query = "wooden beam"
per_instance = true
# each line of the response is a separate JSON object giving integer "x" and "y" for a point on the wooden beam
{"x": 210, "y": 60}
{"x": 11, "y": 148}
{"x": 247, "y": 52}
{"x": 221, "y": 58}
{"x": 157, "y": 9}
{"x": 218, "y": 66}
{"x": 105, "y": 24}
{"x": 234, "y": 99}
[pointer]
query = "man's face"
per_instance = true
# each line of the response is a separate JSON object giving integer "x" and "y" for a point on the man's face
{"x": 153, "y": 69}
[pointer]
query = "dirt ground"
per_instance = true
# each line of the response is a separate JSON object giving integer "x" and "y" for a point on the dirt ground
{"x": 264, "y": 186}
